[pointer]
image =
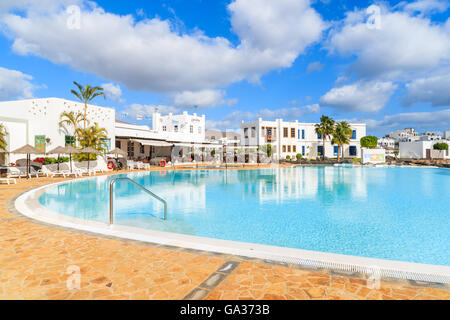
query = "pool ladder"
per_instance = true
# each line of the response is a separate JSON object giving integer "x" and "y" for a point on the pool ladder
{"x": 111, "y": 197}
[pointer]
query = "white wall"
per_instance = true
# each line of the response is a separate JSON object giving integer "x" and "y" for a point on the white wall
{"x": 25, "y": 119}
{"x": 310, "y": 142}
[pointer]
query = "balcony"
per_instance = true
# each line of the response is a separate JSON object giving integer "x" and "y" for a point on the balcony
{"x": 271, "y": 138}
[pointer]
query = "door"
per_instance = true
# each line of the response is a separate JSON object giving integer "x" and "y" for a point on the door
{"x": 39, "y": 143}
{"x": 428, "y": 153}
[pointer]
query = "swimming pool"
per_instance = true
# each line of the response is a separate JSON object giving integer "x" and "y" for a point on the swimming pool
{"x": 396, "y": 213}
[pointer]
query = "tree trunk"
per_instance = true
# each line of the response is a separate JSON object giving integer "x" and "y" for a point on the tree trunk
{"x": 85, "y": 115}
{"x": 323, "y": 151}
{"x": 339, "y": 153}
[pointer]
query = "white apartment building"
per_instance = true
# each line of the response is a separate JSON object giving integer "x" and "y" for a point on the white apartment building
{"x": 167, "y": 132}
{"x": 36, "y": 122}
{"x": 387, "y": 143}
{"x": 289, "y": 138}
{"x": 447, "y": 135}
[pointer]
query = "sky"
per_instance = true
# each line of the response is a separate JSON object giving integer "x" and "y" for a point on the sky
{"x": 385, "y": 63}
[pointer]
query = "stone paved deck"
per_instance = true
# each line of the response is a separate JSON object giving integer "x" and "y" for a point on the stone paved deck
{"x": 34, "y": 260}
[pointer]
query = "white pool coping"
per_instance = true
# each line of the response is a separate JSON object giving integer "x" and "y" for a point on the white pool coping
{"x": 28, "y": 204}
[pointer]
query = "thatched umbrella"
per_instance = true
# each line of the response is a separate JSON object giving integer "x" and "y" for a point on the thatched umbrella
{"x": 89, "y": 151}
{"x": 27, "y": 149}
{"x": 118, "y": 152}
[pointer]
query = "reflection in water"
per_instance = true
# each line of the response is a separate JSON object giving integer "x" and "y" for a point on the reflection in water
{"x": 389, "y": 213}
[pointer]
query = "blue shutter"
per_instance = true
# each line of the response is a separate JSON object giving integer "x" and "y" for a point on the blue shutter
{"x": 354, "y": 134}
{"x": 303, "y": 134}
{"x": 303, "y": 150}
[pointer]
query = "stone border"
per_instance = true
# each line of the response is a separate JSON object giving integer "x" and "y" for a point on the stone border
{"x": 170, "y": 241}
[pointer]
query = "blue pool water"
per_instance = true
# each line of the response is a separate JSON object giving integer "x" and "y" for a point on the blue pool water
{"x": 387, "y": 213}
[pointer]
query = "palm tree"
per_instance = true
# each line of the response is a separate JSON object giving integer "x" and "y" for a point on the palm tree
{"x": 3, "y": 134}
{"x": 71, "y": 119}
{"x": 87, "y": 94}
{"x": 326, "y": 129}
{"x": 94, "y": 137}
{"x": 341, "y": 136}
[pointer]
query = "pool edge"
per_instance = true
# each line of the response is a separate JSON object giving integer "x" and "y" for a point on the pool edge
{"x": 27, "y": 205}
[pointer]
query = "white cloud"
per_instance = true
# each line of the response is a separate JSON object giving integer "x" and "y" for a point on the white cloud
{"x": 427, "y": 6}
{"x": 146, "y": 111}
{"x": 314, "y": 66}
{"x": 434, "y": 89}
{"x": 434, "y": 120}
{"x": 150, "y": 55}
{"x": 363, "y": 96}
{"x": 15, "y": 85}
{"x": 113, "y": 92}
{"x": 403, "y": 44}
{"x": 233, "y": 120}
{"x": 202, "y": 99}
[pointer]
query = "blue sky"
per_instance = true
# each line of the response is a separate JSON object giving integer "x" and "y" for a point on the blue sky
{"x": 237, "y": 59}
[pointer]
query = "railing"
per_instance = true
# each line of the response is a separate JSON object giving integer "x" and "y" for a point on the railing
{"x": 111, "y": 197}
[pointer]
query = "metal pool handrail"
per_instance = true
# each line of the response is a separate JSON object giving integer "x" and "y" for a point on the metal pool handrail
{"x": 111, "y": 197}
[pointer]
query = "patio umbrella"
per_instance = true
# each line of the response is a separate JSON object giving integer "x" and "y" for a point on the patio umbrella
{"x": 27, "y": 149}
{"x": 89, "y": 151}
{"x": 58, "y": 151}
{"x": 118, "y": 152}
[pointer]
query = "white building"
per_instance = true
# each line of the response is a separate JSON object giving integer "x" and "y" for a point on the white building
{"x": 167, "y": 132}
{"x": 447, "y": 135}
{"x": 289, "y": 138}
{"x": 35, "y": 122}
{"x": 405, "y": 135}
{"x": 422, "y": 150}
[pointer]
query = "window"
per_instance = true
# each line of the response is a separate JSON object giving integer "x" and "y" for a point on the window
{"x": 175, "y": 128}
{"x": 246, "y": 133}
{"x": 289, "y": 149}
{"x": 199, "y": 130}
{"x": 191, "y": 129}
{"x": 130, "y": 149}
{"x": 303, "y": 151}
{"x": 303, "y": 134}
{"x": 285, "y": 132}
{"x": 292, "y": 133}
{"x": 118, "y": 144}
{"x": 354, "y": 134}
{"x": 39, "y": 143}
{"x": 164, "y": 128}
{"x": 320, "y": 150}
{"x": 353, "y": 151}
{"x": 142, "y": 149}
{"x": 336, "y": 150}
{"x": 253, "y": 132}
{"x": 294, "y": 148}
{"x": 319, "y": 136}
{"x": 70, "y": 141}
{"x": 284, "y": 148}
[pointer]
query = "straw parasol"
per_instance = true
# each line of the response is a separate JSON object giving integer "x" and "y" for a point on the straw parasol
{"x": 27, "y": 149}
{"x": 89, "y": 151}
{"x": 118, "y": 152}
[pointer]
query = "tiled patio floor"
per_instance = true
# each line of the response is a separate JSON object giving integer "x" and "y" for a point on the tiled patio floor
{"x": 34, "y": 262}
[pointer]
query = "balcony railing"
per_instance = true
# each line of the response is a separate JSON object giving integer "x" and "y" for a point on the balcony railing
{"x": 271, "y": 138}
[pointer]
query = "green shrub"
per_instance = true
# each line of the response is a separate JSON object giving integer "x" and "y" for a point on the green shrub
{"x": 299, "y": 156}
{"x": 356, "y": 160}
{"x": 369, "y": 142}
{"x": 84, "y": 157}
{"x": 440, "y": 146}
{"x": 288, "y": 157}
